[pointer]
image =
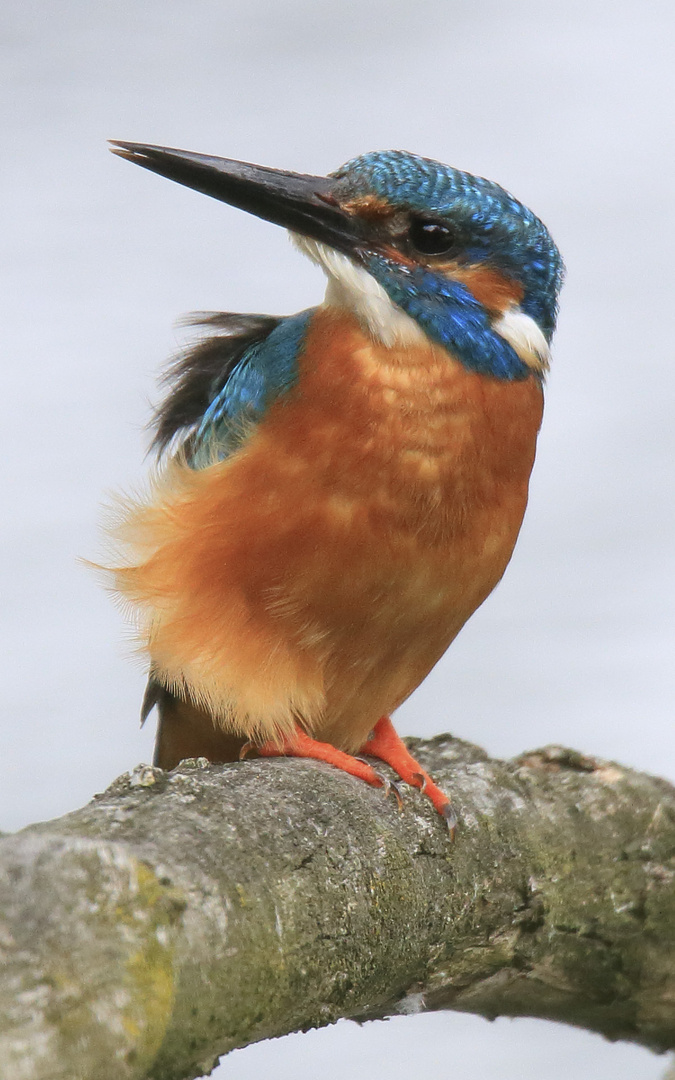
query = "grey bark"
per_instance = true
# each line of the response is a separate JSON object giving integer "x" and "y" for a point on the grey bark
{"x": 183, "y": 914}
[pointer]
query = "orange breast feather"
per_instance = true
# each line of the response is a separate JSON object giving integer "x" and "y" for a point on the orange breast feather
{"x": 322, "y": 570}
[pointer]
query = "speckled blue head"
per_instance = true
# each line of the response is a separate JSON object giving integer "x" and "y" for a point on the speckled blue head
{"x": 490, "y": 224}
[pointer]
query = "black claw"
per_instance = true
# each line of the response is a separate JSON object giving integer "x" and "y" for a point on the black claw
{"x": 450, "y": 817}
{"x": 395, "y": 790}
{"x": 423, "y": 781}
{"x": 389, "y": 787}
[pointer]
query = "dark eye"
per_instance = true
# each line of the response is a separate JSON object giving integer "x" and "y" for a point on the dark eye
{"x": 430, "y": 237}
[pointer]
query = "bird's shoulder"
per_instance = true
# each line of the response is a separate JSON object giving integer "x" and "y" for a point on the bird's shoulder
{"x": 226, "y": 380}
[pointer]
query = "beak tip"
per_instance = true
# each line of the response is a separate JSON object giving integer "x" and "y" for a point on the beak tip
{"x": 121, "y": 149}
{"x": 136, "y": 152}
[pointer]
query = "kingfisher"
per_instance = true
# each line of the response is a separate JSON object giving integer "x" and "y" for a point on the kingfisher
{"x": 338, "y": 490}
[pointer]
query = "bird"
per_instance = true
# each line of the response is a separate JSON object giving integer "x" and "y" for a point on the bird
{"x": 338, "y": 490}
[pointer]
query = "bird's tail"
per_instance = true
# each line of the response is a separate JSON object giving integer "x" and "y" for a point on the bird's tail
{"x": 186, "y": 731}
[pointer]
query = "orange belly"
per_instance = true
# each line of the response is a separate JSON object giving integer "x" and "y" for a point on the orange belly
{"x": 321, "y": 571}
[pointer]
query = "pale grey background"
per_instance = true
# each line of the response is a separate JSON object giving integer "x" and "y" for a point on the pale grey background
{"x": 568, "y": 104}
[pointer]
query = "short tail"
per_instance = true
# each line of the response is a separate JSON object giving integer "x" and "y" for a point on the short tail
{"x": 185, "y": 731}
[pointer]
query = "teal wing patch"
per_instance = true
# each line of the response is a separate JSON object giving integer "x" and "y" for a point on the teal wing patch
{"x": 226, "y": 380}
{"x": 266, "y": 370}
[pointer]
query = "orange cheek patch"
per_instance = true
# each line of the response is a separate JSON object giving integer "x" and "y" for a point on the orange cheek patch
{"x": 493, "y": 290}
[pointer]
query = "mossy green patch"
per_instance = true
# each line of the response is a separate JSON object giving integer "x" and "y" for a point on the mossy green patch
{"x": 150, "y": 967}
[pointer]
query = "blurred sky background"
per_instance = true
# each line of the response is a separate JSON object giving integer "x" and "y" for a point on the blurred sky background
{"x": 569, "y": 105}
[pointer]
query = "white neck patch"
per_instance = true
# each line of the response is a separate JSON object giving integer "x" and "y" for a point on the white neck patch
{"x": 354, "y": 289}
{"x": 525, "y": 338}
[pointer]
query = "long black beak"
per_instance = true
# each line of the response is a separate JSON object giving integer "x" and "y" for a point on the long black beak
{"x": 304, "y": 204}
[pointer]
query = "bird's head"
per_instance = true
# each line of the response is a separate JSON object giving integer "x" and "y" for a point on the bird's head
{"x": 415, "y": 248}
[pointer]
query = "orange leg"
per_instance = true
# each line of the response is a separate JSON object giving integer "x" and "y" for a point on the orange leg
{"x": 385, "y": 744}
{"x": 301, "y": 745}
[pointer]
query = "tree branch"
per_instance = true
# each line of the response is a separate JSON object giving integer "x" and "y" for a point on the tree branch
{"x": 183, "y": 914}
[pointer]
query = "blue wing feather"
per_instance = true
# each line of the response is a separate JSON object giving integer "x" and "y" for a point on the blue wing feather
{"x": 266, "y": 371}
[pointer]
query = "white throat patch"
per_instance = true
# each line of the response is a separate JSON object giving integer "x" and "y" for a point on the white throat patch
{"x": 351, "y": 287}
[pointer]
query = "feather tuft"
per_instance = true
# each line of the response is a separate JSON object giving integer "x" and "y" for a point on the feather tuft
{"x": 198, "y": 374}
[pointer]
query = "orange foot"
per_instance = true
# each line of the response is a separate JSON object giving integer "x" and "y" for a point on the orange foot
{"x": 299, "y": 744}
{"x": 385, "y": 744}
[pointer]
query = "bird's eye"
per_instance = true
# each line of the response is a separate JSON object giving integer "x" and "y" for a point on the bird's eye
{"x": 430, "y": 237}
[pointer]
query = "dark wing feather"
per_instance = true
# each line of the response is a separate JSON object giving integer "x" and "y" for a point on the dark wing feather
{"x": 200, "y": 372}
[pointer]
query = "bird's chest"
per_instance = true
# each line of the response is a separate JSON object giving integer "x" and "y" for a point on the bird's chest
{"x": 405, "y": 442}
{"x": 385, "y": 496}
